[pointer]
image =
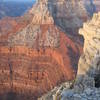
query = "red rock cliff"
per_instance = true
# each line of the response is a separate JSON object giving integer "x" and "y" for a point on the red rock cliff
{"x": 36, "y": 55}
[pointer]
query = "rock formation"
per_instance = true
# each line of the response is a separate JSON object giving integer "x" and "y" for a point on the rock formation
{"x": 87, "y": 84}
{"x": 69, "y": 15}
{"x": 66, "y": 92}
{"x": 91, "y": 33}
{"x": 35, "y": 56}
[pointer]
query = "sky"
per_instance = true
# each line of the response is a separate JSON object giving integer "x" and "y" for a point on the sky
{"x": 20, "y": 0}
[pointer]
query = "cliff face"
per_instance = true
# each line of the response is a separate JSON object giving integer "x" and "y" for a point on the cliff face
{"x": 10, "y": 25}
{"x": 87, "y": 83}
{"x": 37, "y": 56}
{"x": 69, "y": 15}
{"x": 91, "y": 35}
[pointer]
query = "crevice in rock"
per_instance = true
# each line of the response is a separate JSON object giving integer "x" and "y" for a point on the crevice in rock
{"x": 97, "y": 80}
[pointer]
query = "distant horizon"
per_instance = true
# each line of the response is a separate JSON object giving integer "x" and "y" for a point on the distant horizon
{"x": 19, "y": 0}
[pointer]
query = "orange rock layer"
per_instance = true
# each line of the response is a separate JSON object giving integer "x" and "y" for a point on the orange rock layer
{"x": 34, "y": 58}
{"x": 36, "y": 71}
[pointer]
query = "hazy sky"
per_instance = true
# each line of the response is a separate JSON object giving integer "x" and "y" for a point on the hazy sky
{"x": 20, "y": 0}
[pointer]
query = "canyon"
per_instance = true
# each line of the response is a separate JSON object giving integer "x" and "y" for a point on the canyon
{"x": 41, "y": 49}
{"x": 35, "y": 54}
{"x": 86, "y": 85}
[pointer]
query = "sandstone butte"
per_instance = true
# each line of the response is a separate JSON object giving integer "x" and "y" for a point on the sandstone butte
{"x": 35, "y": 54}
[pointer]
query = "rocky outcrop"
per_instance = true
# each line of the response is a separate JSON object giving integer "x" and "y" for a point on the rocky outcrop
{"x": 86, "y": 86}
{"x": 87, "y": 83}
{"x": 9, "y": 26}
{"x": 84, "y": 90}
{"x": 37, "y": 56}
{"x": 91, "y": 35}
{"x": 67, "y": 14}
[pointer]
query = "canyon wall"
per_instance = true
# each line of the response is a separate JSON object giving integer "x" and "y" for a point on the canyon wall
{"x": 86, "y": 86}
{"x": 35, "y": 56}
{"x": 68, "y": 15}
{"x": 40, "y": 50}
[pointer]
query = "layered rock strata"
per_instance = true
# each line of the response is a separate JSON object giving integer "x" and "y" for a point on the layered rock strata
{"x": 87, "y": 84}
{"x": 69, "y": 15}
{"x": 36, "y": 57}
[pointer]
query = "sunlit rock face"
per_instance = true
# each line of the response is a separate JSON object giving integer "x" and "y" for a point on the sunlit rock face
{"x": 36, "y": 56}
{"x": 91, "y": 33}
